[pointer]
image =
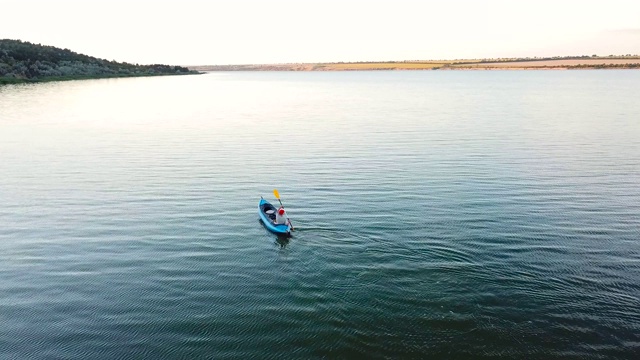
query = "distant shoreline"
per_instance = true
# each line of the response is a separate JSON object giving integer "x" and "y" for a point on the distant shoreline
{"x": 8, "y": 81}
{"x": 565, "y": 63}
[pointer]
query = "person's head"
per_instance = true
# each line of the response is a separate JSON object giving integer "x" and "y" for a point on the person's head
{"x": 281, "y": 211}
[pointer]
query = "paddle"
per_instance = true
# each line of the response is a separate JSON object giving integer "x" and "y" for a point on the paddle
{"x": 277, "y": 195}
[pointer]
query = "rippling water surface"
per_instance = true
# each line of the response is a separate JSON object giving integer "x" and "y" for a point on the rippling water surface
{"x": 454, "y": 214}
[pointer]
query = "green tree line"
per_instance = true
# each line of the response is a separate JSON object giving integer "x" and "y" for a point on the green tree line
{"x": 22, "y": 61}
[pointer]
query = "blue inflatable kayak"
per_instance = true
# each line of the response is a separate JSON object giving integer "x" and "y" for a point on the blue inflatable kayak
{"x": 268, "y": 216}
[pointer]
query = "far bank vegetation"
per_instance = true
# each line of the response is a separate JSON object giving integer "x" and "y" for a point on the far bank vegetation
{"x": 26, "y": 62}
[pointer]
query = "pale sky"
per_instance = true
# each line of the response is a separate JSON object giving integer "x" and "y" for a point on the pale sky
{"x": 198, "y": 32}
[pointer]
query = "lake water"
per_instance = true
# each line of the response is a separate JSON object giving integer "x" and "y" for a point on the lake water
{"x": 444, "y": 214}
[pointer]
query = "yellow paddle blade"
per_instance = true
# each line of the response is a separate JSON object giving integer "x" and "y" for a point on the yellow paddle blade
{"x": 276, "y": 194}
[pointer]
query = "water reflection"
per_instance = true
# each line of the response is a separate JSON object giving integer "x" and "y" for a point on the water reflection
{"x": 283, "y": 240}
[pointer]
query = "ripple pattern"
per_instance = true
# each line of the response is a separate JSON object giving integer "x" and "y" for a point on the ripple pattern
{"x": 439, "y": 214}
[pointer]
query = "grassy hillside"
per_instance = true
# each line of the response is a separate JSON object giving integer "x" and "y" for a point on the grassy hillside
{"x": 26, "y": 62}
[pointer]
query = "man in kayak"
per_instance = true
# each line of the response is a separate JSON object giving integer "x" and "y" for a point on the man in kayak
{"x": 281, "y": 218}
